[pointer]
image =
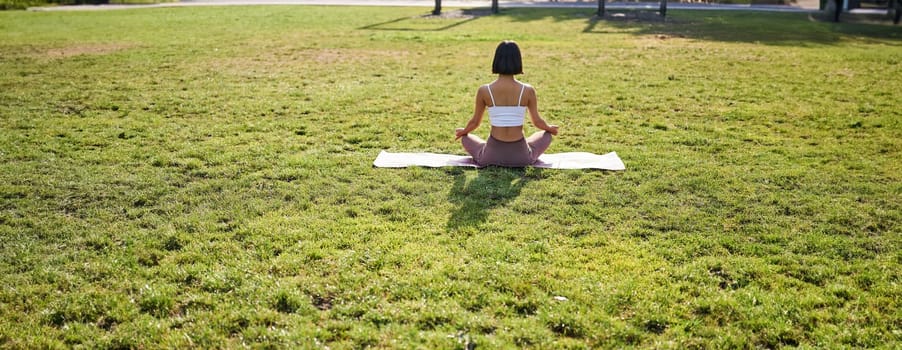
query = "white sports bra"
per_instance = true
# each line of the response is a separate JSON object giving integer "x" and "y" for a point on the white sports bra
{"x": 507, "y": 115}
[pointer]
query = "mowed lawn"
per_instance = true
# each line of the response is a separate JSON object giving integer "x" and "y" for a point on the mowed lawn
{"x": 201, "y": 177}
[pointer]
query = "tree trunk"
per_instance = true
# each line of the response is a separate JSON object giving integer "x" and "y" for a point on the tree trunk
{"x": 495, "y": 6}
{"x": 600, "y": 12}
{"x": 663, "y": 9}
{"x": 833, "y": 9}
{"x": 438, "y": 8}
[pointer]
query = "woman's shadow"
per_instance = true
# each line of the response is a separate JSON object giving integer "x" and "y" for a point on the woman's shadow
{"x": 491, "y": 187}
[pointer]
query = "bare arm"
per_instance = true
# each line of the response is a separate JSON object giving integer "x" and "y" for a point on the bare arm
{"x": 532, "y": 105}
{"x": 478, "y": 112}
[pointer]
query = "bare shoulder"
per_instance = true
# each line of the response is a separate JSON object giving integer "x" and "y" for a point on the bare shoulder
{"x": 482, "y": 94}
{"x": 529, "y": 89}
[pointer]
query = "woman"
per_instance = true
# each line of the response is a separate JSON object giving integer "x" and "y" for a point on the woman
{"x": 507, "y": 101}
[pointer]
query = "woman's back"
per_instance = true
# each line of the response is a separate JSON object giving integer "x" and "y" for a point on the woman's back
{"x": 506, "y": 92}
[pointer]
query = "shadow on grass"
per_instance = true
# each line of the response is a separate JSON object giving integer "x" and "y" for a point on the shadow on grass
{"x": 491, "y": 187}
{"x": 781, "y": 29}
{"x": 424, "y": 23}
{"x": 770, "y": 28}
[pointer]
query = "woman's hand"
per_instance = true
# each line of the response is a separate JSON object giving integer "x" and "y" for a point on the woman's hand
{"x": 552, "y": 129}
{"x": 459, "y": 132}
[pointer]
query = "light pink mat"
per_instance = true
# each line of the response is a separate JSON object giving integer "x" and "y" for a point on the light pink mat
{"x": 569, "y": 160}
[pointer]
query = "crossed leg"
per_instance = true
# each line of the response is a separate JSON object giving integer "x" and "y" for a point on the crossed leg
{"x": 538, "y": 143}
{"x": 473, "y": 145}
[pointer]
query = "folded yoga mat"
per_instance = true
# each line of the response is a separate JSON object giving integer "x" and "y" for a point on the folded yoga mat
{"x": 570, "y": 160}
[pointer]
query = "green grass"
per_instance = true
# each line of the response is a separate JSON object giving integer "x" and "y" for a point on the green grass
{"x": 181, "y": 177}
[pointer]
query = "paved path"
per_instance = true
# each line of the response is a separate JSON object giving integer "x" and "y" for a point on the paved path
{"x": 803, "y": 6}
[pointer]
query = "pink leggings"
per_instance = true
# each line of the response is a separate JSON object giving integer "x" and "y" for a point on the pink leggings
{"x": 511, "y": 154}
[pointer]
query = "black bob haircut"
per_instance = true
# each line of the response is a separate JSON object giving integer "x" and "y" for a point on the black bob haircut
{"x": 507, "y": 59}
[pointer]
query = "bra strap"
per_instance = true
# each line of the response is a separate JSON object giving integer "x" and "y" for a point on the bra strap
{"x": 489, "y": 87}
{"x": 522, "y": 87}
